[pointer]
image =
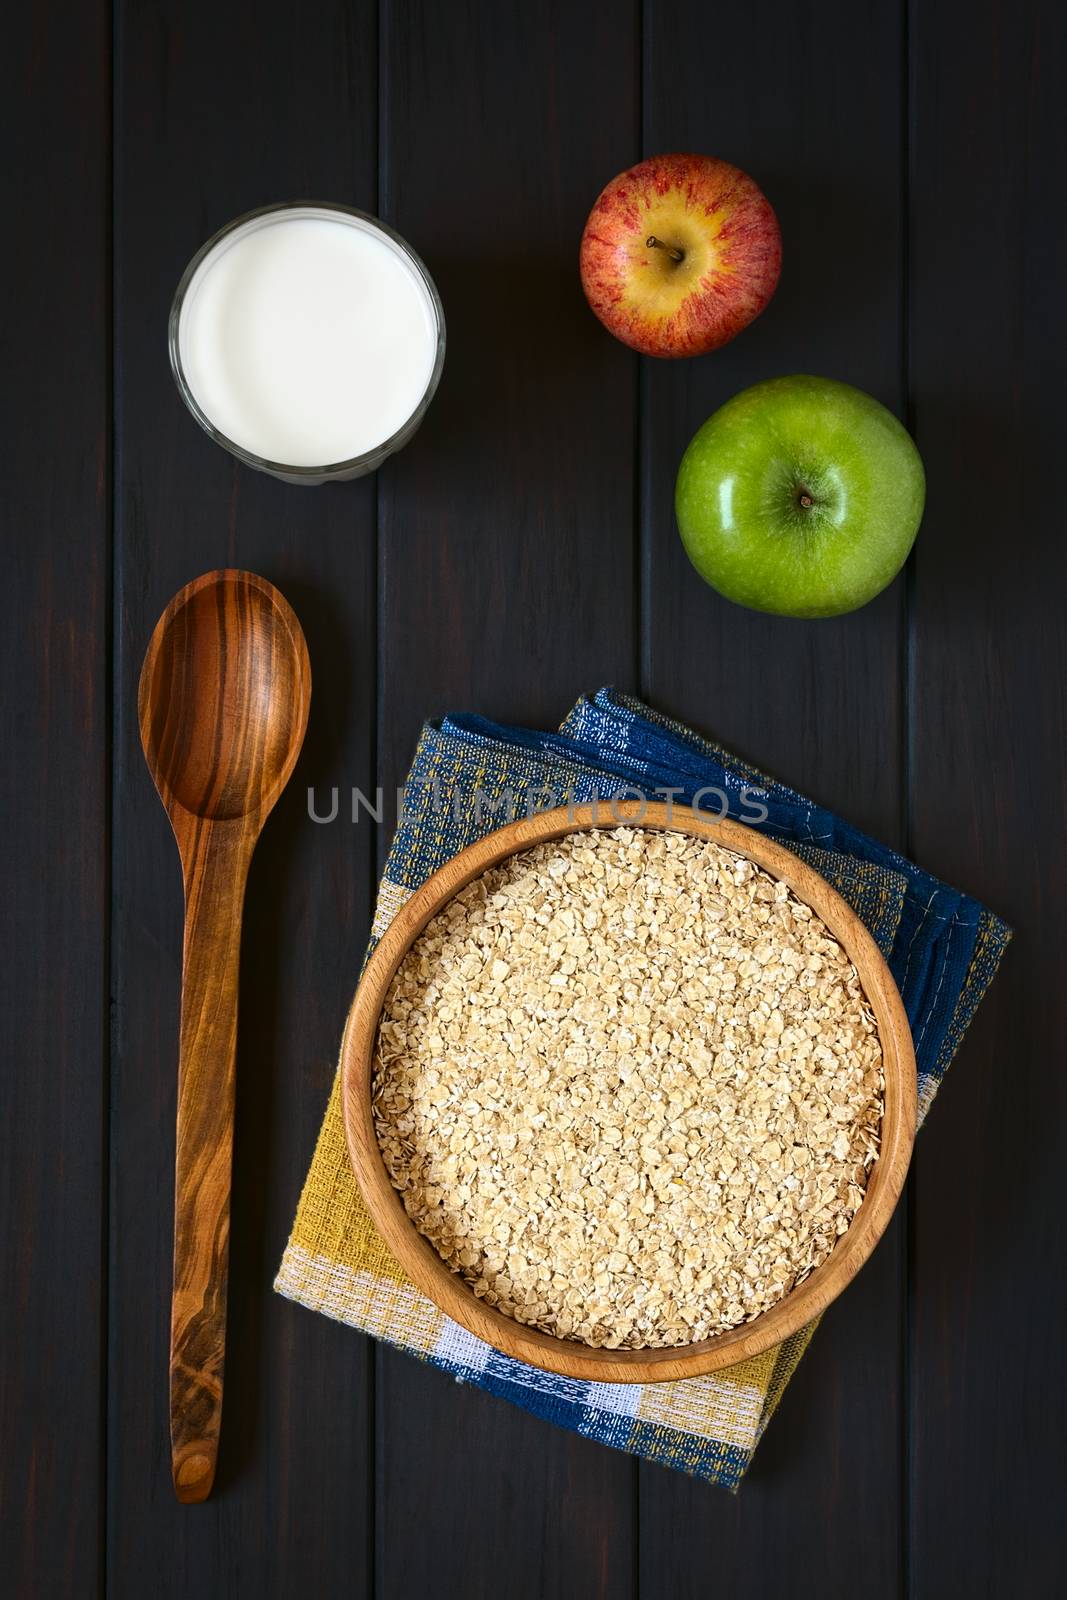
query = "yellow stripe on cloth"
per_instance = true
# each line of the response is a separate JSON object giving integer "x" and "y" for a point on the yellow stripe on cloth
{"x": 724, "y": 1407}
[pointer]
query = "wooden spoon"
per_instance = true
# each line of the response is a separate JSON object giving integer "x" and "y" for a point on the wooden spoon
{"x": 223, "y": 705}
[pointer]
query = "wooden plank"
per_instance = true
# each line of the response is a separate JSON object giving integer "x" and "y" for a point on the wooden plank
{"x": 506, "y": 586}
{"x": 989, "y": 362}
{"x": 219, "y": 110}
{"x": 810, "y": 102}
{"x": 53, "y": 666}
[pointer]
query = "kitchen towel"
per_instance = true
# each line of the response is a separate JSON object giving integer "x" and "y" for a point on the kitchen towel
{"x": 470, "y": 776}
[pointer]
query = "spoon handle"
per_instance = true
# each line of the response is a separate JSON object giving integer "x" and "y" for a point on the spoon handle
{"x": 215, "y": 857}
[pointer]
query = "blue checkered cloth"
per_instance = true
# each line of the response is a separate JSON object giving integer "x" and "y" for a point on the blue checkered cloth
{"x": 469, "y": 776}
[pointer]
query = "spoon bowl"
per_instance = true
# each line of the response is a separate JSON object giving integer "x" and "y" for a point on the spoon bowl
{"x": 224, "y": 697}
{"x": 223, "y": 705}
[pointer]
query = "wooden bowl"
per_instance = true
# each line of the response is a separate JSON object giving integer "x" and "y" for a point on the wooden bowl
{"x": 565, "y": 1356}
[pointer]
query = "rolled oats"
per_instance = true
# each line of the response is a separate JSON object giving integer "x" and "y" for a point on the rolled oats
{"x": 629, "y": 1087}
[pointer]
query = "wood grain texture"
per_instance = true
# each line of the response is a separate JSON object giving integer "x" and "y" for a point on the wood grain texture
{"x": 55, "y": 521}
{"x": 432, "y": 1275}
{"x": 223, "y": 706}
{"x": 988, "y": 1471}
{"x": 506, "y": 584}
{"x": 818, "y": 704}
{"x": 199, "y": 140}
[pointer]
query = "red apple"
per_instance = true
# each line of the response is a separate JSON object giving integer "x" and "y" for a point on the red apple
{"x": 679, "y": 254}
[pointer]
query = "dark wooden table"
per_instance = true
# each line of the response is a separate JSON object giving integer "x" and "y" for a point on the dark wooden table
{"x": 521, "y": 551}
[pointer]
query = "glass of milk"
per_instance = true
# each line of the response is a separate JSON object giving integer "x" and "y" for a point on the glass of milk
{"x": 308, "y": 340}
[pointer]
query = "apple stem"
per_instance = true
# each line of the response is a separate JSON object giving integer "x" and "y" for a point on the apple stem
{"x": 806, "y": 501}
{"x": 652, "y": 243}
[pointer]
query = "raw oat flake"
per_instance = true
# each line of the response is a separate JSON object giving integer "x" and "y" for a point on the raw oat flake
{"x": 629, "y": 1087}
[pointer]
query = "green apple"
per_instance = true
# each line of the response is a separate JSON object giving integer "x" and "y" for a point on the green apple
{"x": 800, "y": 496}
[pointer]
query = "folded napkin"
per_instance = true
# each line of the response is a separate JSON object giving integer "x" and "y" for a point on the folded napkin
{"x": 470, "y": 776}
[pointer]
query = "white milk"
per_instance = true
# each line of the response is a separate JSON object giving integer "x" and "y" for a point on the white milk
{"x": 307, "y": 341}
